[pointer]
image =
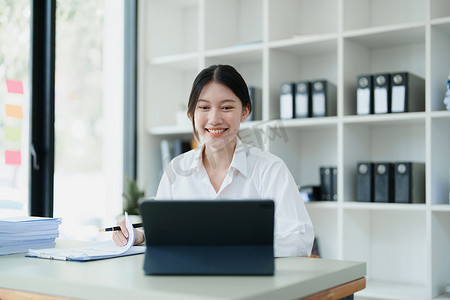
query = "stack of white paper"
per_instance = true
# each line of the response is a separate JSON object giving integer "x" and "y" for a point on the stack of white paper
{"x": 18, "y": 234}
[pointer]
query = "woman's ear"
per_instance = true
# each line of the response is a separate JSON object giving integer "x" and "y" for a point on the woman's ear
{"x": 245, "y": 113}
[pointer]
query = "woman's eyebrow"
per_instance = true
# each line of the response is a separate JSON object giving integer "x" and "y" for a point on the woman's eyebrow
{"x": 221, "y": 101}
{"x": 228, "y": 100}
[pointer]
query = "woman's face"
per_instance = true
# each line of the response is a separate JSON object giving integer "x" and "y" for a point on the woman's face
{"x": 218, "y": 115}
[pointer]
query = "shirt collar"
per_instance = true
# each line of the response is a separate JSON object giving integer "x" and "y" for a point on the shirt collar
{"x": 197, "y": 161}
{"x": 239, "y": 161}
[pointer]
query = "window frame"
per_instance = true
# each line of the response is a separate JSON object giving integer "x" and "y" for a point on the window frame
{"x": 42, "y": 102}
{"x": 42, "y": 106}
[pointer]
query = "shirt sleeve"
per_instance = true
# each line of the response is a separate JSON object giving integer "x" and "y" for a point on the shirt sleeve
{"x": 294, "y": 233}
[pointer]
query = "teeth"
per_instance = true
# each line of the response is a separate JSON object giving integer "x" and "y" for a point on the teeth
{"x": 216, "y": 131}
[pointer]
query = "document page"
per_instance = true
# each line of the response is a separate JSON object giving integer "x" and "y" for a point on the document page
{"x": 100, "y": 250}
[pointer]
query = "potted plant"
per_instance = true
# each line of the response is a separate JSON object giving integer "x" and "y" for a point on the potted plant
{"x": 132, "y": 196}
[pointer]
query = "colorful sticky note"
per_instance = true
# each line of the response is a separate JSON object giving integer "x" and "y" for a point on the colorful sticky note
{"x": 14, "y": 111}
{"x": 13, "y": 134}
{"x": 12, "y": 157}
{"x": 14, "y": 86}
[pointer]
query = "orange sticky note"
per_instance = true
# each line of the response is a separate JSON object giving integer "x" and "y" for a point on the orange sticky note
{"x": 12, "y": 157}
{"x": 14, "y": 86}
{"x": 14, "y": 111}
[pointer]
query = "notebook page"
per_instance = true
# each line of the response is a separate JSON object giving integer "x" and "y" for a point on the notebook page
{"x": 94, "y": 251}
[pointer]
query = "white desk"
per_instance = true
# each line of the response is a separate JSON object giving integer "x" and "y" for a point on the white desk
{"x": 123, "y": 278}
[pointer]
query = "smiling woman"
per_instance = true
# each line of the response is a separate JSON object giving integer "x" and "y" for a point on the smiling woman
{"x": 225, "y": 168}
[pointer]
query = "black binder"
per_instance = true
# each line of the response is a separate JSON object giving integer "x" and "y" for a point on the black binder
{"x": 364, "y": 95}
{"x": 310, "y": 192}
{"x": 323, "y": 98}
{"x": 408, "y": 93}
{"x": 287, "y": 101}
{"x": 256, "y": 101}
{"x": 334, "y": 195}
{"x": 325, "y": 183}
{"x": 180, "y": 146}
{"x": 382, "y": 93}
{"x": 409, "y": 182}
{"x": 384, "y": 182}
{"x": 365, "y": 180}
{"x": 251, "y": 92}
{"x": 303, "y": 99}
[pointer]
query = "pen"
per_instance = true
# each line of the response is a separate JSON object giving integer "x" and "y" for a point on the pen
{"x": 115, "y": 228}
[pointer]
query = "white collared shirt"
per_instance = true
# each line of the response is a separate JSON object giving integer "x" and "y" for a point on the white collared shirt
{"x": 253, "y": 174}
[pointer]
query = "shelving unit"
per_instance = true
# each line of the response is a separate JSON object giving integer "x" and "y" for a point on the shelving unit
{"x": 272, "y": 41}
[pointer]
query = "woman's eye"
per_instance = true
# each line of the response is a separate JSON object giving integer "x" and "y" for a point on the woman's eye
{"x": 227, "y": 107}
{"x": 203, "y": 107}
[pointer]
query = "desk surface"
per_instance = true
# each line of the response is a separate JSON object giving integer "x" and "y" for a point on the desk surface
{"x": 119, "y": 278}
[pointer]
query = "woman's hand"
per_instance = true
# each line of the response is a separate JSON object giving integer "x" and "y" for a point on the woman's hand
{"x": 120, "y": 237}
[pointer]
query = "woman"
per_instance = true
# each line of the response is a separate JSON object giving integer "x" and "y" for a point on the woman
{"x": 225, "y": 168}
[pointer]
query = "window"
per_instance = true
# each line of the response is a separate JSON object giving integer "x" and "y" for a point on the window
{"x": 14, "y": 106}
{"x": 88, "y": 116}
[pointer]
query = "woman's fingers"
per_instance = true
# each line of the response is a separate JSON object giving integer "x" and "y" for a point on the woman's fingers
{"x": 120, "y": 237}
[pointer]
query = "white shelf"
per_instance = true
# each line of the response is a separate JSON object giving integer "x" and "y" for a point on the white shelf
{"x": 179, "y": 61}
{"x": 246, "y": 50}
{"x": 304, "y": 40}
{"x": 441, "y": 21}
{"x": 169, "y": 130}
{"x": 286, "y": 41}
{"x": 388, "y": 35}
{"x": 306, "y": 47}
{"x": 441, "y": 207}
{"x": 307, "y": 122}
{"x": 384, "y": 206}
{"x": 322, "y": 205}
{"x": 440, "y": 114}
{"x": 417, "y": 117}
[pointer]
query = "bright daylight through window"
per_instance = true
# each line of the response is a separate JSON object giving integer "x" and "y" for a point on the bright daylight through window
{"x": 88, "y": 116}
{"x": 14, "y": 106}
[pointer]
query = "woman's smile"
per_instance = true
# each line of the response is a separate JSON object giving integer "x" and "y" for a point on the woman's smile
{"x": 216, "y": 131}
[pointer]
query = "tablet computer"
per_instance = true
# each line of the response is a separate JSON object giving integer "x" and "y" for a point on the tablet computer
{"x": 208, "y": 237}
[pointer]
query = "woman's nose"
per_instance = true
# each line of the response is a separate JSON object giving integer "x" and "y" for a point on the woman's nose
{"x": 215, "y": 116}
